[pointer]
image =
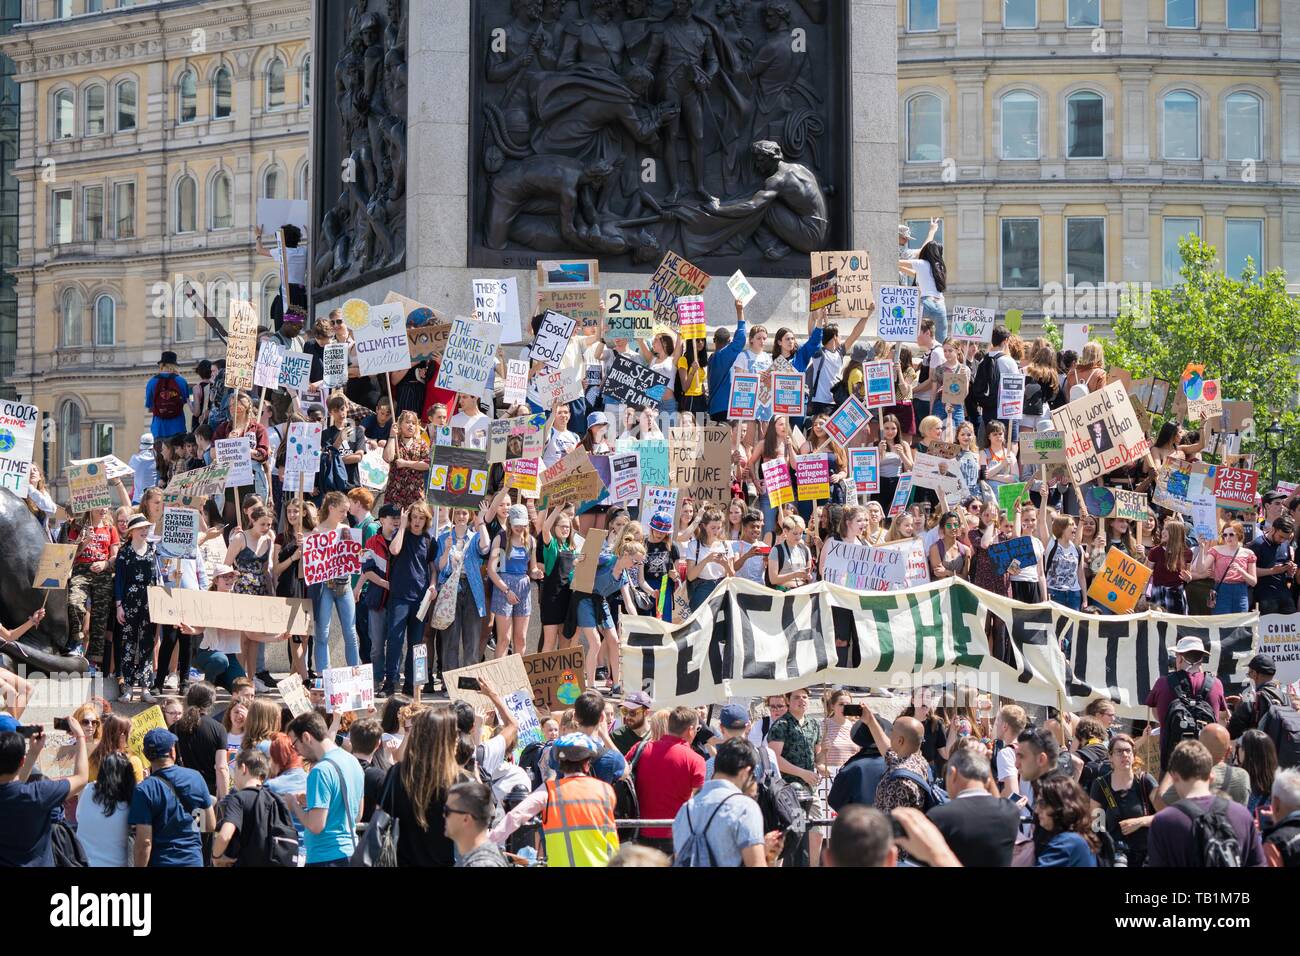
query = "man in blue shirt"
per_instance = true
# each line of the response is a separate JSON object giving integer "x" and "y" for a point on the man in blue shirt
{"x": 27, "y": 808}
{"x": 170, "y": 809}
{"x": 726, "y": 349}
{"x": 330, "y": 808}
{"x": 723, "y": 814}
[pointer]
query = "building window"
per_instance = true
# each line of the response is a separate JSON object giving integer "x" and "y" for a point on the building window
{"x": 186, "y": 205}
{"x": 124, "y": 210}
{"x": 186, "y": 311}
{"x": 924, "y": 129}
{"x": 95, "y": 111}
{"x": 1020, "y": 14}
{"x": 1245, "y": 240}
{"x": 65, "y": 115}
{"x": 1083, "y": 13}
{"x": 70, "y": 431}
{"x": 1242, "y": 115}
{"x": 275, "y": 85}
{"x": 1020, "y": 125}
{"x": 223, "y": 209}
{"x": 105, "y": 320}
{"x": 222, "y": 95}
{"x": 1020, "y": 254}
{"x": 273, "y": 184}
{"x": 1176, "y": 229}
{"x": 125, "y": 95}
{"x": 103, "y": 439}
{"x": 920, "y": 229}
{"x": 71, "y": 306}
{"x": 270, "y": 289}
{"x": 1243, "y": 14}
{"x": 1180, "y": 14}
{"x": 922, "y": 16}
{"x": 305, "y": 79}
{"x": 63, "y": 9}
{"x": 188, "y": 89}
{"x": 92, "y": 213}
{"x": 1182, "y": 125}
{"x": 304, "y": 182}
{"x": 219, "y": 305}
{"x": 62, "y": 217}
{"x": 94, "y": 6}
{"x": 1085, "y": 250}
{"x": 1085, "y": 113}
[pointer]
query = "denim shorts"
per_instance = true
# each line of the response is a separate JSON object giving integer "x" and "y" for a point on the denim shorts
{"x": 594, "y": 612}
{"x": 522, "y": 587}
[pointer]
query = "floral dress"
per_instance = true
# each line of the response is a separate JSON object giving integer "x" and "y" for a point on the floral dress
{"x": 406, "y": 485}
{"x": 134, "y": 573}
{"x": 251, "y": 574}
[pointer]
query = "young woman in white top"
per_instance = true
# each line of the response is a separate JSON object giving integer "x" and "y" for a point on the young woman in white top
{"x": 661, "y": 355}
{"x": 102, "y": 811}
{"x": 559, "y": 441}
{"x": 708, "y": 558}
{"x": 1028, "y": 580}
{"x": 1064, "y": 564}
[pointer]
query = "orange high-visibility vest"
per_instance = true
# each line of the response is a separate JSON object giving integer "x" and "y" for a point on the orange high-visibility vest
{"x": 578, "y": 827}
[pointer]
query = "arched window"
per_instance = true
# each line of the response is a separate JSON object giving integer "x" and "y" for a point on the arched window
{"x": 306, "y": 80}
{"x": 223, "y": 207}
{"x": 304, "y": 181}
{"x": 65, "y": 115}
{"x": 188, "y": 89}
{"x": 71, "y": 307}
{"x": 222, "y": 94}
{"x": 105, "y": 320}
{"x": 1085, "y": 114}
{"x": 125, "y": 95}
{"x": 219, "y": 303}
{"x": 270, "y": 289}
{"x": 275, "y": 84}
{"x": 1182, "y": 125}
{"x": 1242, "y": 115}
{"x": 924, "y": 129}
{"x": 70, "y": 431}
{"x": 95, "y": 111}
{"x": 1020, "y": 125}
{"x": 273, "y": 183}
{"x": 186, "y": 205}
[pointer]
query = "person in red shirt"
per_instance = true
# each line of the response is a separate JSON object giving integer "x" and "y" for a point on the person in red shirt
{"x": 667, "y": 774}
{"x": 90, "y": 589}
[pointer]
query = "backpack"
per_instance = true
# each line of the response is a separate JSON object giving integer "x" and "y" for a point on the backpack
{"x": 1216, "y": 841}
{"x": 278, "y": 843}
{"x": 626, "y": 804}
{"x": 1094, "y": 768}
{"x": 695, "y": 850}
{"x": 531, "y": 761}
{"x": 67, "y": 849}
{"x": 1281, "y": 722}
{"x": 168, "y": 402}
{"x": 932, "y": 795}
{"x": 813, "y": 377}
{"x": 779, "y": 802}
{"x": 1187, "y": 714}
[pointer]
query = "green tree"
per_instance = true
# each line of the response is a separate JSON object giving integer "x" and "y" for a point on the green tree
{"x": 1246, "y": 332}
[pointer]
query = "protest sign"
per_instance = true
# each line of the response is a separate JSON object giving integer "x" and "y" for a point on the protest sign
{"x": 1098, "y": 500}
{"x": 1131, "y": 505}
{"x": 189, "y": 488}
{"x": 865, "y": 465}
{"x": 302, "y": 449}
{"x": 584, "y": 568}
{"x": 1101, "y": 433}
{"x": 776, "y": 479}
{"x": 1120, "y": 583}
{"x": 518, "y": 437}
{"x": 552, "y": 339}
{"x": 1159, "y": 399}
{"x": 743, "y": 404}
{"x": 628, "y": 382}
{"x": 852, "y": 279}
{"x": 516, "y": 381}
{"x": 505, "y": 675}
{"x": 55, "y": 567}
{"x": 458, "y": 477}
{"x": 879, "y": 377}
{"x": 560, "y": 387}
{"x": 787, "y": 393}
{"x": 114, "y": 467}
{"x": 238, "y": 456}
{"x": 692, "y": 316}
{"x": 813, "y": 476}
{"x": 232, "y": 612}
{"x": 88, "y": 487}
{"x": 823, "y": 290}
{"x": 1279, "y": 638}
{"x": 1235, "y": 488}
{"x": 180, "y": 533}
{"x": 899, "y": 313}
{"x": 241, "y": 345}
{"x": 572, "y": 478}
{"x": 944, "y": 449}
{"x": 572, "y": 288}
{"x": 902, "y": 495}
{"x": 867, "y": 568}
{"x": 141, "y": 724}
{"x": 1201, "y": 397}
{"x": 935, "y": 473}
{"x": 295, "y": 371}
{"x": 349, "y": 689}
{"x": 658, "y": 501}
{"x": 380, "y": 335}
{"x": 1042, "y": 448}
{"x": 331, "y": 554}
{"x": 1011, "y": 396}
{"x": 304, "y": 481}
{"x": 555, "y": 678}
{"x": 625, "y": 478}
{"x": 653, "y": 453}
{"x": 373, "y": 470}
{"x": 519, "y": 706}
{"x": 522, "y": 473}
{"x": 58, "y": 756}
{"x": 700, "y": 462}
{"x": 17, "y": 442}
{"x": 469, "y": 359}
{"x": 956, "y": 384}
{"x": 420, "y": 664}
{"x": 629, "y": 314}
{"x": 971, "y": 324}
{"x": 673, "y": 279}
{"x": 741, "y": 288}
{"x": 426, "y": 328}
{"x": 335, "y": 360}
{"x": 1017, "y": 549}
{"x": 266, "y": 374}
{"x": 497, "y": 301}
{"x": 1009, "y": 494}
{"x": 846, "y": 421}
{"x": 294, "y": 695}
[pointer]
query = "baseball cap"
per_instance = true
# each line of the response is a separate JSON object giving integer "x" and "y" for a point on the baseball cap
{"x": 733, "y": 717}
{"x": 596, "y": 418}
{"x": 1189, "y": 644}
{"x": 1274, "y": 495}
{"x": 661, "y": 522}
{"x": 1262, "y": 664}
{"x": 904, "y": 231}
{"x": 8, "y": 725}
{"x": 574, "y": 747}
{"x": 518, "y": 516}
{"x": 638, "y": 698}
{"x": 146, "y": 440}
{"x": 389, "y": 511}
{"x": 158, "y": 743}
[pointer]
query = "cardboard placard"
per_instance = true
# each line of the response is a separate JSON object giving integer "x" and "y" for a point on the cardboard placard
{"x": 379, "y": 332}
{"x": 1017, "y": 549}
{"x": 742, "y": 290}
{"x": 673, "y": 279}
{"x": 55, "y": 567}
{"x": 584, "y": 568}
{"x": 629, "y": 315}
{"x": 295, "y": 371}
{"x": 143, "y": 722}
{"x": 1011, "y": 396}
{"x": 653, "y": 454}
{"x": 1101, "y": 433}
{"x": 1235, "y": 488}
{"x": 580, "y": 305}
{"x": 266, "y": 373}
{"x": 294, "y": 695}
{"x": 555, "y": 678}
{"x": 87, "y": 487}
{"x": 237, "y": 456}
{"x": 889, "y": 567}
{"x": 1098, "y": 500}
{"x": 560, "y": 387}
{"x": 469, "y": 360}
{"x": 846, "y": 421}
{"x": 458, "y": 477}
{"x": 899, "y": 313}
{"x": 700, "y": 462}
{"x": 518, "y": 437}
{"x": 572, "y": 478}
{"x": 1131, "y": 505}
{"x": 823, "y": 290}
{"x": 505, "y": 675}
{"x": 523, "y": 473}
{"x": 658, "y": 500}
{"x": 787, "y": 393}
{"x": 302, "y": 450}
{"x": 879, "y": 378}
{"x": 553, "y": 335}
{"x": 426, "y": 328}
{"x": 241, "y": 345}
{"x": 1121, "y": 582}
{"x": 189, "y": 488}
{"x": 373, "y": 470}
{"x": 516, "y": 381}
{"x": 331, "y": 554}
{"x": 852, "y": 278}
{"x": 971, "y": 324}
{"x": 743, "y": 404}
{"x": 813, "y": 475}
{"x": 865, "y": 465}
{"x": 935, "y": 473}
{"x": 335, "y": 361}
{"x": 349, "y": 689}
{"x": 776, "y": 479}
{"x": 1202, "y": 397}
{"x": 944, "y": 449}
{"x": 956, "y": 385}
{"x": 1042, "y": 448}
{"x": 628, "y": 382}
{"x": 497, "y": 301}
{"x": 114, "y": 467}
{"x": 180, "y": 533}
{"x": 1009, "y": 494}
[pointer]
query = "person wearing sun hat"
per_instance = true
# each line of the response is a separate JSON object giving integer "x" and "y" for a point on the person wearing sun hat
{"x": 166, "y": 396}
{"x": 135, "y": 571}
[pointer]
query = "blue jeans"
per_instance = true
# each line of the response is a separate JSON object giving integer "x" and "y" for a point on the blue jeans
{"x": 378, "y": 621}
{"x": 1071, "y": 599}
{"x": 324, "y": 604}
{"x": 941, "y": 411}
{"x": 699, "y": 590}
{"x": 218, "y": 668}
{"x": 1232, "y": 598}
{"x": 405, "y": 630}
{"x": 932, "y": 308}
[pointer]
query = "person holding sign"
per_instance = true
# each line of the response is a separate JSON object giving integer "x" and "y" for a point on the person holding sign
{"x": 708, "y": 559}
{"x": 333, "y": 597}
{"x": 242, "y": 423}
{"x": 1232, "y": 567}
{"x": 1064, "y": 564}
{"x": 998, "y": 460}
{"x": 460, "y": 553}
{"x": 949, "y": 556}
{"x": 895, "y": 458}
{"x": 97, "y": 541}
{"x": 135, "y": 571}
{"x": 408, "y": 579}
{"x": 827, "y": 368}
{"x": 662, "y": 356}
{"x": 409, "y": 458}
{"x": 249, "y": 553}
{"x": 33, "y": 619}
{"x": 512, "y": 567}
{"x": 777, "y": 446}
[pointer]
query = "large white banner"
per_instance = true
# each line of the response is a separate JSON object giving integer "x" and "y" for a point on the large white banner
{"x": 750, "y": 641}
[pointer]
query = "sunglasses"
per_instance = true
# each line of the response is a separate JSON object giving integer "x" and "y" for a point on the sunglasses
{"x": 89, "y": 722}
{"x": 448, "y": 811}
